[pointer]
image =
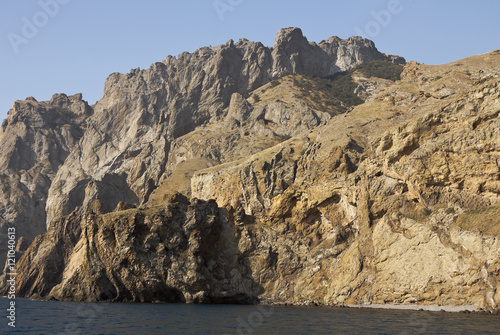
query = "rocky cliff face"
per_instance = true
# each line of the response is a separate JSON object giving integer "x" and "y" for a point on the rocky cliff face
{"x": 127, "y": 144}
{"x": 63, "y": 154}
{"x": 394, "y": 202}
{"x": 370, "y": 207}
{"x": 183, "y": 252}
{"x": 35, "y": 140}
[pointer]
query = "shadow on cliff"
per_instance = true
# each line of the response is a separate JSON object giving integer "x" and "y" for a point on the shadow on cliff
{"x": 183, "y": 251}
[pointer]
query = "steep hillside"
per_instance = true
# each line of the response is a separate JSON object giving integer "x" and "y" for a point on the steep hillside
{"x": 35, "y": 139}
{"x": 61, "y": 155}
{"x": 392, "y": 202}
{"x": 124, "y": 153}
{"x": 257, "y": 120}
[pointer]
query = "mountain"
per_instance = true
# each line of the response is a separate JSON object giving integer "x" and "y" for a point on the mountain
{"x": 304, "y": 172}
{"x": 35, "y": 140}
{"x": 63, "y": 154}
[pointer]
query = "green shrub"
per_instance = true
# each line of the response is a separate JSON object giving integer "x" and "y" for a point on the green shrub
{"x": 275, "y": 82}
{"x": 342, "y": 87}
{"x": 427, "y": 211}
{"x": 338, "y": 89}
{"x": 283, "y": 138}
{"x": 450, "y": 210}
{"x": 381, "y": 69}
{"x": 256, "y": 98}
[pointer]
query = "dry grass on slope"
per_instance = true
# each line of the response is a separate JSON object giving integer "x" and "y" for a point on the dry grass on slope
{"x": 486, "y": 220}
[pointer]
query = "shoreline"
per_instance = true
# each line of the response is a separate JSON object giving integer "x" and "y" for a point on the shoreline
{"x": 401, "y": 307}
{"x": 426, "y": 308}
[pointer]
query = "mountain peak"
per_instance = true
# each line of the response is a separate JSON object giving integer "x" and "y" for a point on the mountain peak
{"x": 288, "y": 36}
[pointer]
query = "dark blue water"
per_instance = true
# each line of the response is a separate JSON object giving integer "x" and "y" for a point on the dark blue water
{"x": 45, "y": 317}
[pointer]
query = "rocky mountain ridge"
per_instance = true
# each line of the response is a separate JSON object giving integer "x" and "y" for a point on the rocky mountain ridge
{"x": 121, "y": 148}
{"x": 36, "y": 139}
{"x": 382, "y": 204}
{"x": 134, "y": 130}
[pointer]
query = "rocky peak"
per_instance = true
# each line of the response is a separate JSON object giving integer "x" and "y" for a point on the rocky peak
{"x": 289, "y": 38}
{"x": 35, "y": 140}
{"x": 74, "y": 103}
{"x": 121, "y": 146}
{"x": 292, "y": 53}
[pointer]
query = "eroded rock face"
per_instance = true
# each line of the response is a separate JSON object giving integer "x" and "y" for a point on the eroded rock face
{"x": 309, "y": 206}
{"x": 363, "y": 209}
{"x": 292, "y": 53}
{"x": 182, "y": 252}
{"x": 35, "y": 140}
{"x": 142, "y": 112}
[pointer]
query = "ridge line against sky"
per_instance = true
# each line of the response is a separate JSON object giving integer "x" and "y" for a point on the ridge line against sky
{"x": 71, "y": 46}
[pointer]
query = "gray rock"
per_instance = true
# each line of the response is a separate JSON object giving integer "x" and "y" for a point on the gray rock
{"x": 61, "y": 155}
{"x": 183, "y": 252}
{"x": 349, "y": 211}
{"x": 35, "y": 140}
{"x": 142, "y": 112}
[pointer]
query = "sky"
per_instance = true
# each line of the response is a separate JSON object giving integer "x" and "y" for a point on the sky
{"x": 72, "y": 46}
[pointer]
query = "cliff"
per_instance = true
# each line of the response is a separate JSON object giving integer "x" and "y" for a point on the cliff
{"x": 62, "y": 154}
{"x": 286, "y": 198}
{"x": 35, "y": 140}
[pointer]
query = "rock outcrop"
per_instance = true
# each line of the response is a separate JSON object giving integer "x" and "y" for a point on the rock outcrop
{"x": 141, "y": 113}
{"x": 289, "y": 201}
{"x": 62, "y": 154}
{"x": 35, "y": 140}
{"x": 182, "y": 252}
{"x": 292, "y": 53}
{"x": 368, "y": 210}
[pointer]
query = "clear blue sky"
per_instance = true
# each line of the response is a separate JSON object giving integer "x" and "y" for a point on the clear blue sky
{"x": 77, "y": 45}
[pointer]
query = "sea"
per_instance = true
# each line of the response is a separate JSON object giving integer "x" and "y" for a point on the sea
{"x": 53, "y": 317}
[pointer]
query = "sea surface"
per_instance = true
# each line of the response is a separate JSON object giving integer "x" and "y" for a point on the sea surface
{"x": 47, "y": 317}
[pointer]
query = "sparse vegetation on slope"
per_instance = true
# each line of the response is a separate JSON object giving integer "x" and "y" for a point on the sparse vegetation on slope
{"x": 339, "y": 88}
{"x": 339, "y": 91}
{"x": 380, "y": 69}
{"x": 288, "y": 204}
{"x": 486, "y": 220}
